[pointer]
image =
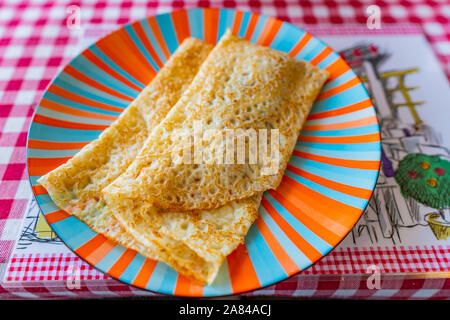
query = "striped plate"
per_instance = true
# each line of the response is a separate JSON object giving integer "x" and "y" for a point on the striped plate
{"x": 327, "y": 184}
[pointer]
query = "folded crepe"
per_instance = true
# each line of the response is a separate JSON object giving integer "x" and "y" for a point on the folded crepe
{"x": 193, "y": 243}
{"x": 241, "y": 86}
{"x": 76, "y": 186}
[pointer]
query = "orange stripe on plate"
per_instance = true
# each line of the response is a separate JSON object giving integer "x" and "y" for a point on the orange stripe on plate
{"x": 337, "y": 68}
{"x": 341, "y": 111}
{"x": 300, "y": 45}
{"x": 100, "y": 252}
{"x": 334, "y": 214}
{"x": 50, "y": 145}
{"x": 283, "y": 258}
{"x": 87, "y": 248}
{"x": 304, "y": 246}
{"x": 350, "y": 190}
{"x": 38, "y": 190}
{"x": 269, "y": 31}
{"x": 322, "y": 55}
{"x": 137, "y": 26}
{"x": 237, "y": 22}
{"x": 129, "y": 58}
{"x": 95, "y": 84}
{"x": 180, "y": 22}
{"x": 73, "y": 111}
{"x": 366, "y": 138}
{"x": 67, "y": 124}
{"x": 356, "y": 164}
{"x": 144, "y": 273}
{"x": 113, "y": 73}
{"x": 187, "y": 287}
{"x": 242, "y": 274}
{"x": 158, "y": 35}
{"x": 251, "y": 26}
{"x": 56, "y": 216}
{"x": 80, "y": 99}
{"x": 211, "y": 21}
{"x": 311, "y": 221}
{"x": 41, "y": 166}
{"x": 122, "y": 263}
{"x": 338, "y": 89}
{"x": 342, "y": 125}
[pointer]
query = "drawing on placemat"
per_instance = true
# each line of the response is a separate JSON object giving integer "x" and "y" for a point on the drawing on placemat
{"x": 396, "y": 204}
{"x": 35, "y": 229}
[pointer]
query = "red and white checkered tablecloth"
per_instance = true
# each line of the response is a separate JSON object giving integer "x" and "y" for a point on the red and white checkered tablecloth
{"x": 35, "y": 43}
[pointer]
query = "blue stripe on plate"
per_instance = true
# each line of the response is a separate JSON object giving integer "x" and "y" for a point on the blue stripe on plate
{"x": 73, "y": 232}
{"x": 46, "y": 203}
{"x": 49, "y": 133}
{"x": 68, "y": 117}
{"x": 141, "y": 47}
{"x": 332, "y": 57}
{"x": 372, "y": 128}
{"x": 226, "y": 19}
{"x": 308, "y": 56}
{"x": 166, "y": 26}
{"x": 348, "y": 97}
{"x": 313, "y": 45}
{"x": 163, "y": 279}
{"x": 317, "y": 242}
{"x": 258, "y": 28}
{"x": 99, "y": 53}
{"x": 295, "y": 254}
{"x": 346, "y": 147}
{"x": 39, "y": 153}
{"x": 360, "y": 114}
{"x": 151, "y": 37}
{"x": 349, "y": 176}
{"x": 196, "y": 23}
{"x": 346, "y": 76}
{"x": 244, "y": 24}
{"x": 111, "y": 258}
{"x": 69, "y": 83}
{"x": 343, "y": 154}
{"x": 264, "y": 262}
{"x": 351, "y": 201}
{"x": 132, "y": 269}
{"x": 285, "y": 43}
{"x": 90, "y": 70}
{"x": 66, "y": 102}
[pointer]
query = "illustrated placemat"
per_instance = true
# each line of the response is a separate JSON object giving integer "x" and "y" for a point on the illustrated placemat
{"x": 404, "y": 228}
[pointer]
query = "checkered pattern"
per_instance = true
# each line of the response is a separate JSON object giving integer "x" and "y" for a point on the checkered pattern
{"x": 50, "y": 267}
{"x": 35, "y": 42}
{"x": 359, "y": 287}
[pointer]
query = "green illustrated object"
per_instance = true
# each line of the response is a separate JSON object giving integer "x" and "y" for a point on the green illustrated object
{"x": 426, "y": 179}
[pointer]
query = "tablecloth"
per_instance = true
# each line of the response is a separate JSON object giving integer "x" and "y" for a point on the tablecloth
{"x": 35, "y": 43}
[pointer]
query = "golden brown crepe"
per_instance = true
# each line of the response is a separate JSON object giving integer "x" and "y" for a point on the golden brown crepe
{"x": 239, "y": 86}
{"x": 194, "y": 243}
{"x": 76, "y": 186}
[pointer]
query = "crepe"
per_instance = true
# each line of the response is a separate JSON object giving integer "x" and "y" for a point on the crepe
{"x": 76, "y": 186}
{"x": 194, "y": 243}
{"x": 239, "y": 86}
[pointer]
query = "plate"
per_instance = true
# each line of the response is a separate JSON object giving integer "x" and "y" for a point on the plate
{"x": 324, "y": 191}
